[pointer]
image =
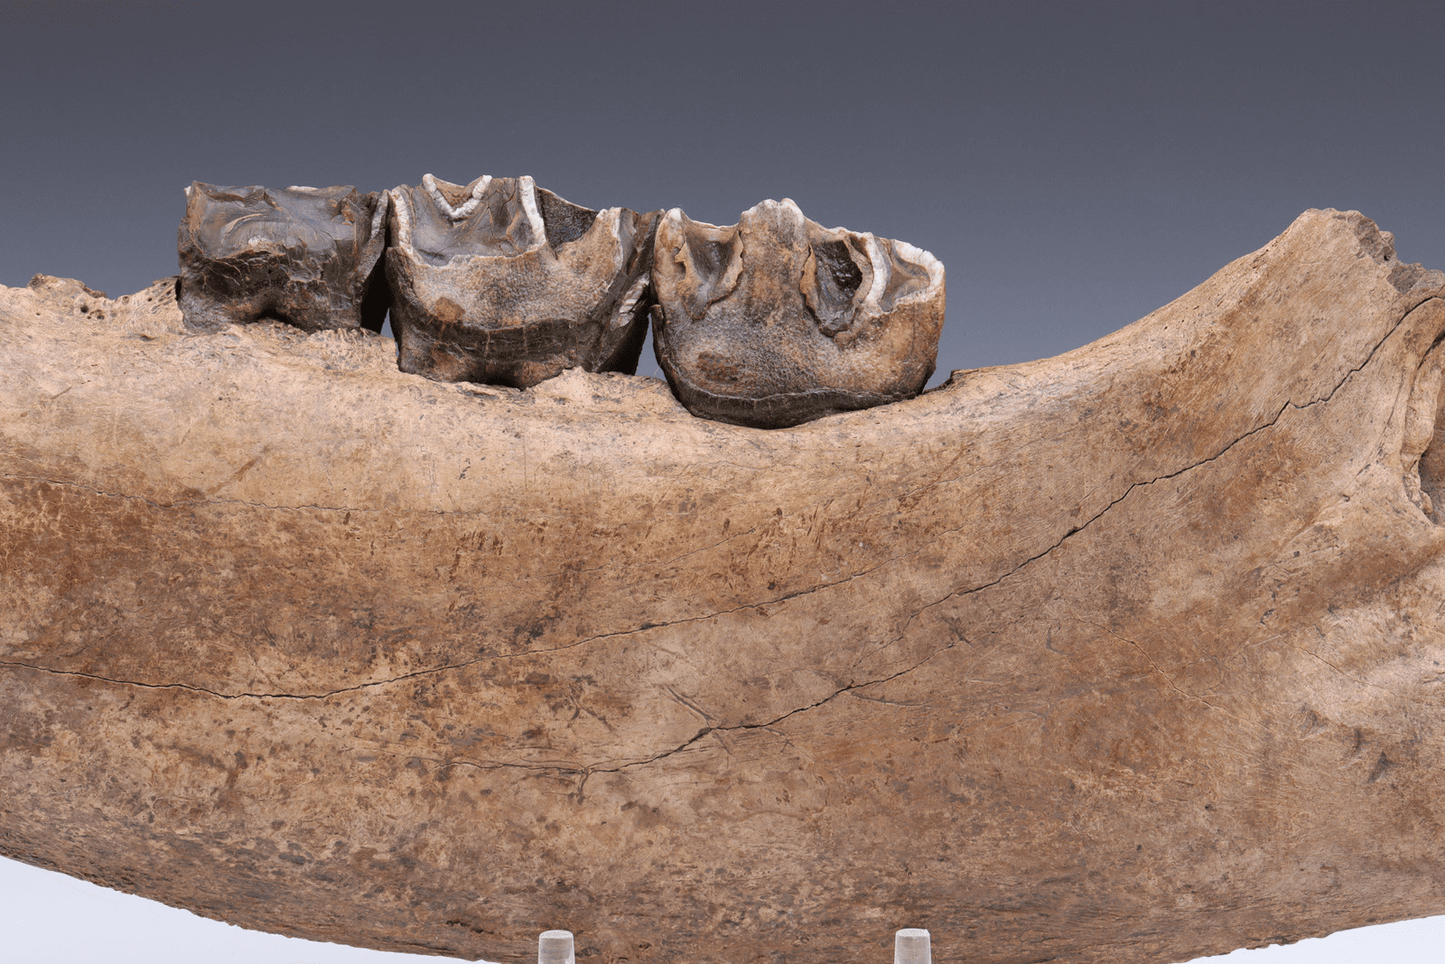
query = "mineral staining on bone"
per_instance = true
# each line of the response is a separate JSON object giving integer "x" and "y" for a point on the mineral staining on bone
{"x": 777, "y": 320}
{"x": 502, "y": 282}
{"x": 305, "y": 256}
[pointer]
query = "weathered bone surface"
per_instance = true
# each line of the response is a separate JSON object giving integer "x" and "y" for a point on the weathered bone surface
{"x": 501, "y": 282}
{"x": 777, "y": 320}
{"x": 307, "y": 256}
{"x": 1128, "y": 655}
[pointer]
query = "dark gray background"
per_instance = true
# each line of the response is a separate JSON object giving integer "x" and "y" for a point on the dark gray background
{"x": 1075, "y": 165}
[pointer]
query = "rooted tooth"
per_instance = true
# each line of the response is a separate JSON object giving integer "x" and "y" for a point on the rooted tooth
{"x": 515, "y": 284}
{"x": 777, "y": 320}
{"x": 306, "y": 256}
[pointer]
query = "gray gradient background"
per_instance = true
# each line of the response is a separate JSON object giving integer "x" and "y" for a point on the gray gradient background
{"x": 1074, "y": 165}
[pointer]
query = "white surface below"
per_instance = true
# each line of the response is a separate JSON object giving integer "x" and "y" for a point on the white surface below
{"x": 49, "y": 918}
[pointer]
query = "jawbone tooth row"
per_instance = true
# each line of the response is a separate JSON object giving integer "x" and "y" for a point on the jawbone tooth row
{"x": 768, "y": 323}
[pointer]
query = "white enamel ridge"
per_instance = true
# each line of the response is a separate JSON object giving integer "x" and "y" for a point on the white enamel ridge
{"x": 628, "y": 305}
{"x": 402, "y": 206}
{"x": 378, "y": 217}
{"x": 461, "y": 211}
{"x": 925, "y": 260}
{"x": 528, "y": 189}
{"x": 881, "y": 270}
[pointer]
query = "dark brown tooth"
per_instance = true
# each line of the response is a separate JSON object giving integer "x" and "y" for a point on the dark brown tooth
{"x": 307, "y": 256}
{"x": 776, "y": 320}
{"x": 500, "y": 281}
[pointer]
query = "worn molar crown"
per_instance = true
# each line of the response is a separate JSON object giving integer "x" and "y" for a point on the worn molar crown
{"x": 303, "y": 255}
{"x": 503, "y": 282}
{"x": 777, "y": 320}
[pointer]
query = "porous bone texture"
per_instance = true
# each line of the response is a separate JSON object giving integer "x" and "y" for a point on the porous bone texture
{"x": 777, "y": 320}
{"x": 1129, "y": 655}
{"x": 501, "y": 282}
{"x": 306, "y": 256}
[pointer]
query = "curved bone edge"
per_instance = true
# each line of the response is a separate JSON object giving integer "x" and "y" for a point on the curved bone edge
{"x": 569, "y": 298}
{"x": 313, "y": 277}
{"x": 1128, "y": 655}
{"x": 749, "y": 331}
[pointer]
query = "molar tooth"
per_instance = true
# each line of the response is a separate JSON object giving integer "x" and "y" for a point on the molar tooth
{"x": 303, "y": 255}
{"x": 515, "y": 284}
{"x": 777, "y": 320}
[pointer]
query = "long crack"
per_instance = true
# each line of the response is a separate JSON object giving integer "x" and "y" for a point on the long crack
{"x": 774, "y": 722}
{"x": 13, "y": 664}
{"x": 586, "y": 771}
{"x": 783, "y": 598}
{"x": 178, "y": 503}
{"x": 1270, "y": 423}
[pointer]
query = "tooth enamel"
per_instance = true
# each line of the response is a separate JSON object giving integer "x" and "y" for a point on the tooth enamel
{"x": 881, "y": 270}
{"x": 529, "y": 204}
{"x": 465, "y": 209}
{"x": 776, "y": 320}
{"x": 628, "y": 306}
{"x": 303, "y": 255}
{"x": 491, "y": 290}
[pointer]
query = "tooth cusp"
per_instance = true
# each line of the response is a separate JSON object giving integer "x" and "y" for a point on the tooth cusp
{"x": 503, "y": 282}
{"x": 776, "y": 320}
{"x": 302, "y": 255}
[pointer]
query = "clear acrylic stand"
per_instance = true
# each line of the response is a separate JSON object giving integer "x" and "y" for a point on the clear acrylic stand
{"x": 912, "y": 945}
{"x": 555, "y": 947}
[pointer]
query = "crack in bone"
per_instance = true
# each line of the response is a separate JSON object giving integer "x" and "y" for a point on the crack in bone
{"x": 370, "y": 684}
{"x": 587, "y": 771}
{"x": 1289, "y": 404}
{"x": 1405, "y": 696}
{"x": 786, "y": 597}
{"x": 15, "y": 664}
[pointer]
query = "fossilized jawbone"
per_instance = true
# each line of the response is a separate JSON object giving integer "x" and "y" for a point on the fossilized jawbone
{"x": 499, "y": 281}
{"x": 307, "y": 256}
{"x": 777, "y": 320}
{"x": 1126, "y": 656}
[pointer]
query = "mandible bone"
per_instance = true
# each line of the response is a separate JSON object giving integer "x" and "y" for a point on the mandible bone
{"x": 502, "y": 282}
{"x": 307, "y": 256}
{"x": 777, "y": 320}
{"x": 1129, "y": 655}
